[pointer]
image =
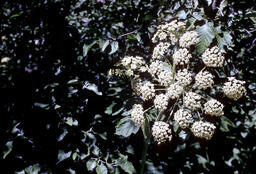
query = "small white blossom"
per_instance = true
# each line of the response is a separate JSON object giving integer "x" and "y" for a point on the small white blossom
{"x": 189, "y": 38}
{"x": 204, "y": 79}
{"x": 192, "y": 100}
{"x": 147, "y": 91}
{"x": 181, "y": 56}
{"x": 183, "y": 118}
{"x": 234, "y": 88}
{"x": 161, "y": 132}
{"x": 174, "y": 91}
{"x": 165, "y": 77}
{"x": 183, "y": 77}
{"x": 161, "y": 102}
{"x": 214, "y": 108}
{"x": 213, "y": 57}
{"x": 131, "y": 62}
{"x": 155, "y": 68}
{"x": 137, "y": 114}
{"x": 203, "y": 129}
{"x": 160, "y": 50}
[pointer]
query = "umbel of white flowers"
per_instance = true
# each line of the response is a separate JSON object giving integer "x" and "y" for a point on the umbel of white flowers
{"x": 173, "y": 81}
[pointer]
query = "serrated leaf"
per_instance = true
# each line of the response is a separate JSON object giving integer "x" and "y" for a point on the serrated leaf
{"x": 114, "y": 47}
{"x": 125, "y": 164}
{"x": 101, "y": 169}
{"x": 91, "y": 164}
{"x": 226, "y": 40}
{"x": 206, "y": 34}
{"x": 126, "y": 127}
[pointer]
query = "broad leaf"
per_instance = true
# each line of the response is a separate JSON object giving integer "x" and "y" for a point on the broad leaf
{"x": 114, "y": 47}
{"x": 101, "y": 169}
{"x": 91, "y": 164}
{"x": 125, "y": 164}
{"x": 126, "y": 127}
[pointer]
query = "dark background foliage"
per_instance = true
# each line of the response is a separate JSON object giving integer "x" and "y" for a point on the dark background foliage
{"x": 59, "y": 108}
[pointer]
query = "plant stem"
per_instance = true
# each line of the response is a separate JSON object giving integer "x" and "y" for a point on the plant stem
{"x": 144, "y": 155}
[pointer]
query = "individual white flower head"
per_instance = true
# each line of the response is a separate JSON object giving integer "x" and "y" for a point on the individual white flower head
{"x": 147, "y": 91}
{"x": 129, "y": 72}
{"x": 204, "y": 80}
{"x": 160, "y": 50}
{"x": 183, "y": 118}
{"x": 192, "y": 101}
{"x": 155, "y": 68}
{"x": 183, "y": 77}
{"x": 132, "y": 62}
{"x": 213, "y": 57}
{"x": 189, "y": 38}
{"x": 165, "y": 77}
{"x": 181, "y": 56}
{"x": 137, "y": 115}
{"x": 161, "y": 102}
{"x": 136, "y": 85}
{"x": 213, "y": 108}
{"x": 174, "y": 91}
{"x": 203, "y": 129}
{"x": 234, "y": 89}
{"x": 161, "y": 132}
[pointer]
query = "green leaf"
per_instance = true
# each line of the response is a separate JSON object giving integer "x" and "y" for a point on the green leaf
{"x": 9, "y": 146}
{"x": 114, "y": 47}
{"x": 101, "y": 169}
{"x": 86, "y": 48}
{"x": 206, "y": 36}
{"x": 126, "y": 127}
{"x": 226, "y": 40}
{"x": 225, "y": 124}
{"x": 92, "y": 87}
{"x": 41, "y": 105}
{"x": 103, "y": 44}
{"x": 15, "y": 15}
{"x": 91, "y": 164}
{"x": 125, "y": 164}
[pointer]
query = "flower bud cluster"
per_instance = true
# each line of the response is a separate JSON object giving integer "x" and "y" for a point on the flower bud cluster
{"x": 214, "y": 108}
{"x": 155, "y": 68}
{"x": 213, "y": 57}
{"x": 137, "y": 114}
{"x": 161, "y": 132}
{"x": 183, "y": 118}
{"x": 147, "y": 91}
{"x": 160, "y": 50}
{"x": 161, "y": 102}
{"x": 165, "y": 77}
{"x": 192, "y": 101}
{"x": 202, "y": 129}
{"x": 181, "y": 56}
{"x": 132, "y": 64}
{"x": 183, "y": 77}
{"x": 189, "y": 38}
{"x": 174, "y": 91}
{"x": 204, "y": 80}
{"x": 234, "y": 88}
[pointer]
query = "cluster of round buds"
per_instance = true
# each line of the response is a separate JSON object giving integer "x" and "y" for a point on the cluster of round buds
{"x": 189, "y": 38}
{"x": 214, "y": 108}
{"x": 161, "y": 102}
{"x": 155, "y": 68}
{"x": 147, "y": 91}
{"x": 174, "y": 91}
{"x": 160, "y": 50}
{"x": 168, "y": 30}
{"x": 203, "y": 129}
{"x": 132, "y": 62}
{"x": 183, "y": 77}
{"x": 204, "y": 79}
{"x": 234, "y": 88}
{"x": 213, "y": 57}
{"x": 191, "y": 100}
{"x": 165, "y": 77}
{"x": 161, "y": 132}
{"x": 183, "y": 118}
{"x": 137, "y": 114}
{"x": 136, "y": 84}
{"x": 181, "y": 56}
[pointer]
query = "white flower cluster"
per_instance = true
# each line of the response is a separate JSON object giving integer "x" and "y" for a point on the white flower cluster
{"x": 132, "y": 64}
{"x": 165, "y": 77}
{"x": 181, "y": 56}
{"x": 203, "y": 129}
{"x": 213, "y": 57}
{"x": 174, "y": 91}
{"x": 137, "y": 114}
{"x": 161, "y": 131}
{"x": 204, "y": 79}
{"x": 147, "y": 91}
{"x": 183, "y": 118}
{"x": 192, "y": 101}
{"x": 160, "y": 50}
{"x": 234, "y": 88}
{"x": 155, "y": 68}
{"x": 183, "y": 77}
{"x": 189, "y": 38}
{"x": 161, "y": 102}
{"x": 169, "y": 30}
{"x": 214, "y": 108}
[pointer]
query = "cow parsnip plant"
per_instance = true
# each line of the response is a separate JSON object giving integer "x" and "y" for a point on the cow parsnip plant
{"x": 177, "y": 85}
